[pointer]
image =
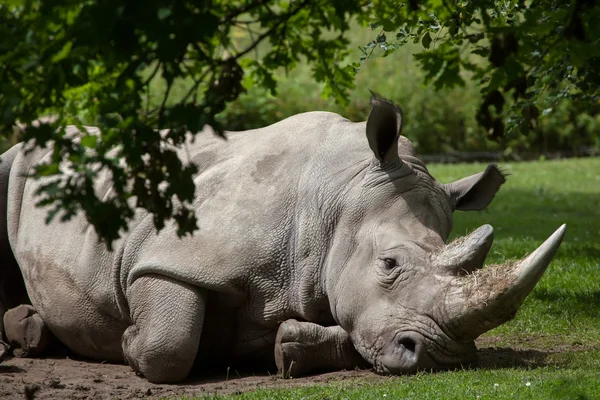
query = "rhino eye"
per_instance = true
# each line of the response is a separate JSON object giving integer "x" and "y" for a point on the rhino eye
{"x": 389, "y": 263}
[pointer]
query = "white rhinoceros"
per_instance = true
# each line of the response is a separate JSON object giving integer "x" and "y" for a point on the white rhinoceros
{"x": 321, "y": 246}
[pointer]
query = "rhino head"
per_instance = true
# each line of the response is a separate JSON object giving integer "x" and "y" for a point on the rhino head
{"x": 408, "y": 300}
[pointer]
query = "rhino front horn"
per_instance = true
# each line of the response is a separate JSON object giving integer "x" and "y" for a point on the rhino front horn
{"x": 491, "y": 296}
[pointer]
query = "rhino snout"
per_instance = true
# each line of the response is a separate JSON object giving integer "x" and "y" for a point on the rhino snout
{"x": 404, "y": 354}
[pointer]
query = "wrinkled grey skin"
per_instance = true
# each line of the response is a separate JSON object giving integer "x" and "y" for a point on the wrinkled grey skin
{"x": 319, "y": 247}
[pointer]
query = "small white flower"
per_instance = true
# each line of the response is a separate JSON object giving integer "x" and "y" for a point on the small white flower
{"x": 528, "y": 384}
{"x": 496, "y": 385}
{"x": 384, "y": 395}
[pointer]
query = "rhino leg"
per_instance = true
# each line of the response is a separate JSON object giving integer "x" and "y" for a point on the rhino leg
{"x": 167, "y": 317}
{"x": 26, "y": 330}
{"x": 3, "y": 345}
{"x": 302, "y": 347}
{"x": 12, "y": 286}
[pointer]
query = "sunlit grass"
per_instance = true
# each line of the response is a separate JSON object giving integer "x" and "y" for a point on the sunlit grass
{"x": 540, "y": 383}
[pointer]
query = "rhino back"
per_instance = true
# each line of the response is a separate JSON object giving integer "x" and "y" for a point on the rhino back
{"x": 261, "y": 237}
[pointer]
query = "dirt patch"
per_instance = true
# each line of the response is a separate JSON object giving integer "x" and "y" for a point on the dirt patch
{"x": 67, "y": 378}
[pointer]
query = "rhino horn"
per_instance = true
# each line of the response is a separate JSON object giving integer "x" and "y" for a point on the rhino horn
{"x": 467, "y": 253}
{"x": 491, "y": 296}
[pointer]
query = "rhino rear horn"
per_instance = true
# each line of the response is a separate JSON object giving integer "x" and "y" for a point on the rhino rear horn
{"x": 383, "y": 129}
{"x": 467, "y": 254}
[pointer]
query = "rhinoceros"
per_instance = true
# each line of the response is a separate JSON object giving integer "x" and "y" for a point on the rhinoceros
{"x": 321, "y": 245}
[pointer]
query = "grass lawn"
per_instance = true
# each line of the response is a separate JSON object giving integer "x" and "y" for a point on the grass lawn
{"x": 556, "y": 334}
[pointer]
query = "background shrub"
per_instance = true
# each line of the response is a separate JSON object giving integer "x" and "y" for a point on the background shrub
{"x": 436, "y": 121}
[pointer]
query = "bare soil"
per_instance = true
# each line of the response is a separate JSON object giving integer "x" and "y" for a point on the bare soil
{"x": 63, "y": 377}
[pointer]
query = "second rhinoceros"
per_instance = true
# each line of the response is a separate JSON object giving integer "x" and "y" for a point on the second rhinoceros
{"x": 322, "y": 245}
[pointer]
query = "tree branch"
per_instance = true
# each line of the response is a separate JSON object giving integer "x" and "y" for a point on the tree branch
{"x": 196, "y": 84}
{"x": 248, "y": 7}
{"x": 269, "y": 32}
{"x": 161, "y": 110}
{"x": 455, "y": 16}
{"x": 158, "y": 64}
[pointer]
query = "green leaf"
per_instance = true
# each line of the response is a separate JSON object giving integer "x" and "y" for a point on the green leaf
{"x": 426, "y": 40}
{"x": 63, "y": 53}
{"x": 164, "y": 13}
{"x": 47, "y": 169}
{"x": 89, "y": 141}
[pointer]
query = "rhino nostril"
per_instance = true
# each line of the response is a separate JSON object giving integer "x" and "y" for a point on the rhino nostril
{"x": 408, "y": 344}
{"x": 402, "y": 355}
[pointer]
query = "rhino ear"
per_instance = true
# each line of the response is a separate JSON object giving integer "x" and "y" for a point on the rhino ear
{"x": 383, "y": 129}
{"x": 477, "y": 191}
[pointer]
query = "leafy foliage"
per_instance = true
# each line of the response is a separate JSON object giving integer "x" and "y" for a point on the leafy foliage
{"x": 527, "y": 57}
{"x": 100, "y": 56}
{"x": 98, "y": 62}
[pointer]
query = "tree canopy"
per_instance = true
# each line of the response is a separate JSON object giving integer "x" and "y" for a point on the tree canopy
{"x": 94, "y": 61}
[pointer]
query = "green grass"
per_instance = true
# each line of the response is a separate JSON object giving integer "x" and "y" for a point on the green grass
{"x": 541, "y": 383}
{"x": 555, "y": 338}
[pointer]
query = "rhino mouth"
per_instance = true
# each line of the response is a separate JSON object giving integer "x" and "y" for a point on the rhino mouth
{"x": 403, "y": 354}
{"x": 409, "y": 352}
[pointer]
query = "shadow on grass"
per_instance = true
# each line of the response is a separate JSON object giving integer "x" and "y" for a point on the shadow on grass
{"x": 573, "y": 302}
{"x": 578, "y": 250}
{"x": 568, "y": 389}
{"x": 506, "y": 357}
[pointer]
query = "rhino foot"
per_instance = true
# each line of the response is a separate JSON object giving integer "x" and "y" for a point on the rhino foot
{"x": 303, "y": 347}
{"x": 290, "y": 352}
{"x": 26, "y": 330}
{"x": 3, "y": 350}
